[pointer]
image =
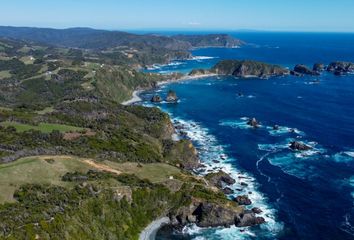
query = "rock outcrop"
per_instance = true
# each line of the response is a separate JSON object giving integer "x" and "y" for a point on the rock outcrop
{"x": 248, "y": 68}
{"x": 156, "y": 99}
{"x": 341, "y": 68}
{"x": 299, "y": 146}
{"x": 253, "y": 123}
{"x": 302, "y": 69}
{"x": 243, "y": 200}
{"x": 318, "y": 67}
{"x": 211, "y": 214}
{"x": 219, "y": 179}
{"x": 171, "y": 97}
{"x": 249, "y": 219}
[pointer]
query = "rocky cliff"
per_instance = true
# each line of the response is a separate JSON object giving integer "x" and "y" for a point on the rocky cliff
{"x": 247, "y": 68}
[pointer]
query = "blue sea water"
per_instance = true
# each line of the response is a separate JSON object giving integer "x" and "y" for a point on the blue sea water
{"x": 304, "y": 195}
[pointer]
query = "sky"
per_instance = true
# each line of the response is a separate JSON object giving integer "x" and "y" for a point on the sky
{"x": 193, "y": 15}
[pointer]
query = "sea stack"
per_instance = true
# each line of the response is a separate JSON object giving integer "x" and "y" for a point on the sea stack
{"x": 299, "y": 146}
{"x": 171, "y": 97}
{"x": 302, "y": 69}
{"x": 156, "y": 99}
{"x": 253, "y": 123}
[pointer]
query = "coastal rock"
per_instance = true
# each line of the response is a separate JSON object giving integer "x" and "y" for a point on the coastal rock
{"x": 247, "y": 68}
{"x": 156, "y": 99}
{"x": 219, "y": 179}
{"x": 341, "y": 68}
{"x": 253, "y": 123}
{"x": 299, "y": 146}
{"x": 171, "y": 97}
{"x": 276, "y": 127}
{"x": 228, "y": 190}
{"x": 256, "y": 210}
{"x": 302, "y": 69}
{"x": 212, "y": 214}
{"x": 249, "y": 219}
{"x": 243, "y": 200}
{"x": 318, "y": 67}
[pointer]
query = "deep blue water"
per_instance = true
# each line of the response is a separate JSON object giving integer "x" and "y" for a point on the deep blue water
{"x": 305, "y": 195}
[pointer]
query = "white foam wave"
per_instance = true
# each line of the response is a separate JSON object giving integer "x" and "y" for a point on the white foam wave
{"x": 239, "y": 124}
{"x": 203, "y": 58}
{"x": 281, "y": 130}
{"x": 213, "y": 156}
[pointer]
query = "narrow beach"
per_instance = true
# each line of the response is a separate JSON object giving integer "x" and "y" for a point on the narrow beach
{"x": 149, "y": 233}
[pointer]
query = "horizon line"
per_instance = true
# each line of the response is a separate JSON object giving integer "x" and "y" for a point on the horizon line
{"x": 174, "y": 29}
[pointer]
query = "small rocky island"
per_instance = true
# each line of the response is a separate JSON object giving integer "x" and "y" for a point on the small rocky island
{"x": 255, "y": 69}
{"x": 243, "y": 69}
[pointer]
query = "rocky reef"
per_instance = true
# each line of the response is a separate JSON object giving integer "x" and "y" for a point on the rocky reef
{"x": 341, "y": 68}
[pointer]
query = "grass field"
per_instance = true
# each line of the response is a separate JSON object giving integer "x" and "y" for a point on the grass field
{"x": 43, "y": 127}
{"x": 39, "y": 169}
{"x": 36, "y": 170}
{"x": 155, "y": 172}
{"x": 5, "y": 74}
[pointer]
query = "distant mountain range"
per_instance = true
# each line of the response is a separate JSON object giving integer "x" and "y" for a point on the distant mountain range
{"x": 88, "y": 38}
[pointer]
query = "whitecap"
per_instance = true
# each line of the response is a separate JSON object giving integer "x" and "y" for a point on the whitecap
{"x": 239, "y": 124}
{"x": 203, "y": 58}
{"x": 283, "y": 130}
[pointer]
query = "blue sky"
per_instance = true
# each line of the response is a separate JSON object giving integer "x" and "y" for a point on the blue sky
{"x": 282, "y": 15}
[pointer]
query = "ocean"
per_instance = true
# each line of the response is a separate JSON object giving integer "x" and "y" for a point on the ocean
{"x": 303, "y": 195}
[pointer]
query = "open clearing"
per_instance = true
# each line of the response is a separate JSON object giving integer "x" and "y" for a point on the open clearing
{"x": 43, "y": 127}
{"x": 50, "y": 169}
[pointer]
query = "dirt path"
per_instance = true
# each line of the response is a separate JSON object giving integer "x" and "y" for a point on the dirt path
{"x": 101, "y": 167}
{"x": 91, "y": 162}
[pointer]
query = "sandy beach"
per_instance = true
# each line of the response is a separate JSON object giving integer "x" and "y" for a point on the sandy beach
{"x": 149, "y": 233}
{"x": 135, "y": 96}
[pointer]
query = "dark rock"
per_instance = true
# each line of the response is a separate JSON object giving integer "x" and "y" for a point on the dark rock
{"x": 256, "y": 210}
{"x": 341, "y": 68}
{"x": 219, "y": 179}
{"x": 302, "y": 69}
{"x": 216, "y": 161}
{"x": 228, "y": 190}
{"x": 275, "y": 127}
{"x": 156, "y": 99}
{"x": 244, "y": 184}
{"x": 253, "y": 123}
{"x": 243, "y": 200}
{"x": 207, "y": 214}
{"x": 171, "y": 97}
{"x": 248, "y": 219}
{"x": 318, "y": 67}
{"x": 299, "y": 146}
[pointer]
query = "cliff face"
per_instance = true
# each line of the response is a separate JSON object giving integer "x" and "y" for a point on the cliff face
{"x": 210, "y": 40}
{"x": 248, "y": 68}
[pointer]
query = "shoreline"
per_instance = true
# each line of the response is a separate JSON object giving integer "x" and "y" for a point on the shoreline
{"x": 149, "y": 233}
{"x": 135, "y": 95}
{"x": 135, "y": 98}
